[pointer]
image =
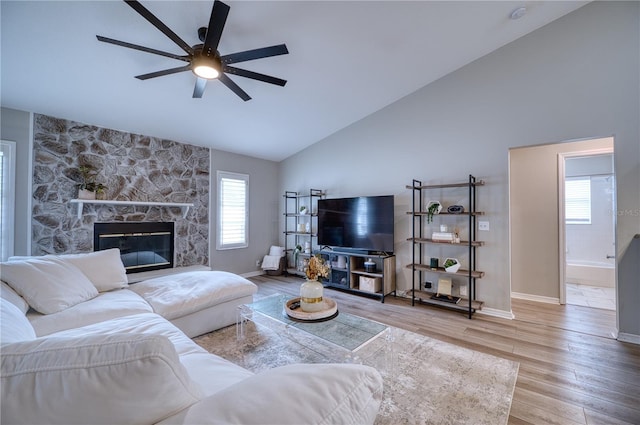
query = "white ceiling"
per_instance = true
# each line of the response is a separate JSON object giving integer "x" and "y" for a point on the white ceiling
{"x": 347, "y": 60}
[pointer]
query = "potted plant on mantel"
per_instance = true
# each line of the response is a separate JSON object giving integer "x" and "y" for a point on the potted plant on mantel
{"x": 88, "y": 187}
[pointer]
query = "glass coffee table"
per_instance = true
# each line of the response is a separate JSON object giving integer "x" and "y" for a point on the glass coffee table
{"x": 345, "y": 338}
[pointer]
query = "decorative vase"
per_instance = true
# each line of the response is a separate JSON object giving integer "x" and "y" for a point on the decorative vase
{"x": 86, "y": 194}
{"x": 311, "y": 296}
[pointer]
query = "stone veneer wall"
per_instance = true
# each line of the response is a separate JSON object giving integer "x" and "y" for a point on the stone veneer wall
{"x": 134, "y": 168}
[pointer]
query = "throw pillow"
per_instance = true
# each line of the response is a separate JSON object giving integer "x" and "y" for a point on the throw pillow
{"x": 14, "y": 326}
{"x": 48, "y": 284}
{"x": 103, "y": 268}
{"x": 277, "y": 251}
{"x": 9, "y": 294}
{"x": 99, "y": 379}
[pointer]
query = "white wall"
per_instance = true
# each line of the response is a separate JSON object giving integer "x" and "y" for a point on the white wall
{"x": 575, "y": 78}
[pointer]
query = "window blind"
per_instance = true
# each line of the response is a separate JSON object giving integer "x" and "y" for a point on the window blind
{"x": 232, "y": 210}
{"x": 577, "y": 195}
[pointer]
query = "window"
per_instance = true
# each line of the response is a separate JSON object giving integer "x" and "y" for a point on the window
{"x": 233, "y": 209}
{"x": 7, "y": 197}
{"x": 577, "y": 198}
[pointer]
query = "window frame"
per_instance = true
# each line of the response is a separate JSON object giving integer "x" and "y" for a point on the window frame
{"x": 8, "y": 194}
{"x": 220, "y": 176}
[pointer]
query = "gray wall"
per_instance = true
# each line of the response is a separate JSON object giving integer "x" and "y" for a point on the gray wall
{"x": 16, "y": 127}
{"x": 575, "y": 78}
{"x": 264, "y": 220}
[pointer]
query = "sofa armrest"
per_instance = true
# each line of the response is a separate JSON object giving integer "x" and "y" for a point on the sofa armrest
{"x": 293, "y": 395}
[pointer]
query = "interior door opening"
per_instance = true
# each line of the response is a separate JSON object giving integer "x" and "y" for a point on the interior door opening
{"x": 588, "y": 220}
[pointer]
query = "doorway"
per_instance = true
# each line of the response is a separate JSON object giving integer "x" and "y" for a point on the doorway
{"x": 587, "y": 244}
{"x": 537, "y": 230}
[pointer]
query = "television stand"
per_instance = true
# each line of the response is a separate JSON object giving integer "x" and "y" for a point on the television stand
{"x": 348, "y": 273}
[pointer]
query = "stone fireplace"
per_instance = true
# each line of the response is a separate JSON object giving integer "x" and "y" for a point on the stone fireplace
{"x": 144, "y": 246}
{"x": 134, "y": 168}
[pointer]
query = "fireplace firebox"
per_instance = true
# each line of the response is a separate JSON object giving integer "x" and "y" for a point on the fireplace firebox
{"x": 144, "y": 246}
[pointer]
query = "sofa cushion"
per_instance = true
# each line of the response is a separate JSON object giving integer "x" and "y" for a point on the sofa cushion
{"x": 105, "y": 379}
{"x": 137, "y": 324}
{"x": 14, "y": 326}
{"x": 185, "y": 293}
{"x": 295, "y": 394}
{"x": 106, "y": 306}
{"x": 103, "y": 268}
{"x": 9, "y": 294}
{"x": 48, "y": 284}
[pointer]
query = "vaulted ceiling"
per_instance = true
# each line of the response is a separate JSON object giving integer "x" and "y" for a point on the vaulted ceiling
{"x": 347, "y": 60}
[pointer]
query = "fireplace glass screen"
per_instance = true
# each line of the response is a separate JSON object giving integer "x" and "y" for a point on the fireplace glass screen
{"x": 144, "y": 246}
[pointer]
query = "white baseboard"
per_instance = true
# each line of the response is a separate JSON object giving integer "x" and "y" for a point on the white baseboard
{"x": 502, "y": 314}
{"x": 252, "y": 274}
{"x": 537, "y": 298}
{"x": 625, "y": 337}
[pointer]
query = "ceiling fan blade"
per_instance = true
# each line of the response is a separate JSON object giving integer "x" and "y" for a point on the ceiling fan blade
{"x": 144, "y": 12}
{"x": 141, "y": 48}
{"x": 255, "y": 75}
{"x": 265, "y": 52}
{"x": 198, "y": 90}
{"x": 233, "y": 87}
{"x": 218, "y": 18}
{"x": 164, "y": 72}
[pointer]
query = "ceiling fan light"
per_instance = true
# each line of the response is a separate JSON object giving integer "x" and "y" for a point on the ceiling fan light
{"x": 206, "y": 71}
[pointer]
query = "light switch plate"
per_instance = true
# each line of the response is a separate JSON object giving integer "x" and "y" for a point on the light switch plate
{"x": 483, "y": 225}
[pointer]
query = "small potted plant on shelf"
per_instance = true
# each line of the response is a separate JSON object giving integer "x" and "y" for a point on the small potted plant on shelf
{"x": 88, "y": 187}
{"x": 433, "y": 207}
{"x": 451, "y": 265}
{"x": 303, "y": 210}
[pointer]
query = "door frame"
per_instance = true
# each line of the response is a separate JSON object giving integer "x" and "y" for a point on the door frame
{"x": 562, "y": 241}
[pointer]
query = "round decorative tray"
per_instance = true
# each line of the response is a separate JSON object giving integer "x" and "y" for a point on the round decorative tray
{"x": 329, "y": 312}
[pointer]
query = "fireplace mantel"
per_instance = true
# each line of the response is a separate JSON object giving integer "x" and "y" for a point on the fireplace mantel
{"x": 184, "y": 206}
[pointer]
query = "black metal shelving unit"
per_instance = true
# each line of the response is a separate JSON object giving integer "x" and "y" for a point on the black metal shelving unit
{"x": 292, "y": 218}
{"x": 419, "y": 264}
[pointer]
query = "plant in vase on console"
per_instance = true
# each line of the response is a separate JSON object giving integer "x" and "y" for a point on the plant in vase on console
{"x": 311, "y": 290}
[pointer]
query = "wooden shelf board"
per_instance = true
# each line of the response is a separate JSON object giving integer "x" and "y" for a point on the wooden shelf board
{"x": 476, "y": 274}
{"x": 300, "y": 233}
{"x": 427, "y": 240}
{"x": 449, "y": 185}
{"x": 463, "y": 305}
{"x": 365, "y": 273}
{"x": 315, "y": 193}
{"x": 444, "y": 213}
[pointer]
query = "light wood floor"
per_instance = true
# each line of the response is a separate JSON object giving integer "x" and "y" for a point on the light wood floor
{"x": 571, "y": 369}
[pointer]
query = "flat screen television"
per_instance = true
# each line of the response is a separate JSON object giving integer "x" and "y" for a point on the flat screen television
{"x": 364, "y": 223}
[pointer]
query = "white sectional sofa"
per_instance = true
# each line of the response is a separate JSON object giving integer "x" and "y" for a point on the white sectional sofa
{"x": 82, "y": 346}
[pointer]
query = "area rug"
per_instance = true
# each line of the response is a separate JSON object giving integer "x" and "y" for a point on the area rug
{"x": 429, "y": 382}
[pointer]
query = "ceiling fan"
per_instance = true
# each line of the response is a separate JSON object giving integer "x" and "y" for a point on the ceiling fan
{"x": 204, "y": 60}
